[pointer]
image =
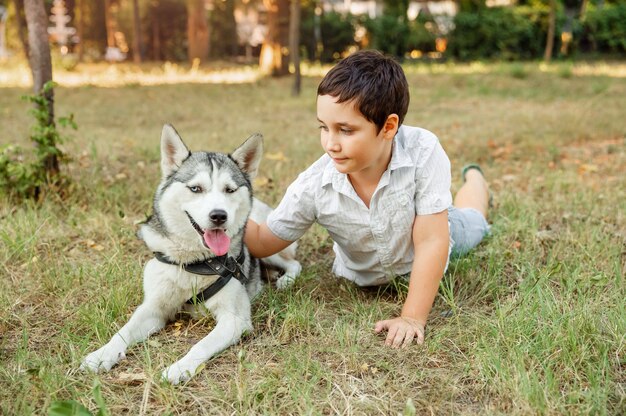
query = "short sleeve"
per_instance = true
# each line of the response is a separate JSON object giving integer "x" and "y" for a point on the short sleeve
{"x": 433, "y": 181}
{"x": 296, "y": 212}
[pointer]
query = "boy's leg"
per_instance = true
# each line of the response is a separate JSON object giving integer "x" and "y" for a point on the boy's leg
{"x": 468, "y": 227}
{"x": 468, "y": 216}
{"x": 475, "y": 191}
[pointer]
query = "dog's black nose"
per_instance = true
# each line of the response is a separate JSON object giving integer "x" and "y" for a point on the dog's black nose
{"x": 218, "y": 216}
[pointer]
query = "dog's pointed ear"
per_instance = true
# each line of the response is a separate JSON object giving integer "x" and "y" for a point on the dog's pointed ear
{"x": 248, "y": 155}
{"x": 173, "y": 150}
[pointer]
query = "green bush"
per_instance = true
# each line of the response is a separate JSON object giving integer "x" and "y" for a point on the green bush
{"x": 336, "y": 33}
{"x": 26, "y": 174}
{"x": 388, "y": 33}
{"x": 422, "y": 34}
{"x": 498, "y": 32}
{"x": 605, "y": 28}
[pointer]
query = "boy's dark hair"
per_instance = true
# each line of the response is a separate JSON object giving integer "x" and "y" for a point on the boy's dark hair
{"x": 375, "y": 82}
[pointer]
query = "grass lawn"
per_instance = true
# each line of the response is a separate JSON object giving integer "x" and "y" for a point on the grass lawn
{"x": 532, "y": 322}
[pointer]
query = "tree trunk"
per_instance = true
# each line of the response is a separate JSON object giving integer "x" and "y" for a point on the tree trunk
{"x": 197, "y": 31}
{"x": 22, "y": 32}
{"x": 294, "y": 45}
{"x": 583, "y": 9}
{"x": 41, "y": 63}
{"x": 223, "y": 26}
{"x": 547, "y": 56}
{"x": 156, "y": 32}
{"x": 273, "y": 60}
{"x": 80, "y": 29}
{"x": 137, "y": 58}
{"x": 39, "y": 48}
{"x": 110, "y": 25}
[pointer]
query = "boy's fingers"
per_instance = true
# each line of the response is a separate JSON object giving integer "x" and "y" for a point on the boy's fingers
{"x": 399, "y": 335}
{"x": 380, "y": 325}
{"x": 408, "y": 339}
{"x": 420, "y": 337}
{"x": 397, "y": 341}
{"x": 391, "y": 335}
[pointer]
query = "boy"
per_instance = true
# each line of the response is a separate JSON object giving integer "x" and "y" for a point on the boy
{"x": 382, "y": 190}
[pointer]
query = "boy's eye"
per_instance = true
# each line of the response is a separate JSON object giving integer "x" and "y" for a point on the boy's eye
{"x": 323, "y": 128}
{"x": 195, "y": 189}
{"x": 346, "y": 131}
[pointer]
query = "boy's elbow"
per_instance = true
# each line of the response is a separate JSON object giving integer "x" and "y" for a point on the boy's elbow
{"x": 260, "y": 241}
{"x": 255, "y": 251}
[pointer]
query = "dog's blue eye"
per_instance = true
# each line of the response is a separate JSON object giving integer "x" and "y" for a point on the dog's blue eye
{"x": 229, "y": 190}
{"x": 195, "y": 189}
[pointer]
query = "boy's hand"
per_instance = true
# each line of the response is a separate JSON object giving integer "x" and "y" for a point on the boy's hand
{"x": 401, "y": 331}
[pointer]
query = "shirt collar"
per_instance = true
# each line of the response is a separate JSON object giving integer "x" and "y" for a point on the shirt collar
{"x": 338, "y": 180}
{"x": 399, "y": 159}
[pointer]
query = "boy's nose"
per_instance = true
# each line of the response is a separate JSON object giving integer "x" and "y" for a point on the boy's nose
{"x": 332, "y": 144}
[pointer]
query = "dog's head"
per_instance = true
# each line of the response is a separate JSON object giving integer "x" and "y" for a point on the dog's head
{"x": 205, "y": 198}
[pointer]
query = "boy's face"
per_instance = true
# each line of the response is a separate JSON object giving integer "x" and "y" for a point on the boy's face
{"x": 351, "y": 140}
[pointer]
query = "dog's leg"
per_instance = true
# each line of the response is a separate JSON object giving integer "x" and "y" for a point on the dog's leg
{"x": 231, "y": 307}
{"x": 287, "y": 263}
{"x": 146, "y": 320}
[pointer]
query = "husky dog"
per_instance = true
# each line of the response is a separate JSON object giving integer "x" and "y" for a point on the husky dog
{"x": 201, "y": 264}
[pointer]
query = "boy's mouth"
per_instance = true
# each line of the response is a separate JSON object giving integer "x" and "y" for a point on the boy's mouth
{"x": 339, "y": 159}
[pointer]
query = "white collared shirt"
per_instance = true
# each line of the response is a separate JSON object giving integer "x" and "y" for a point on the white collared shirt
{"x": 371, "y": 245}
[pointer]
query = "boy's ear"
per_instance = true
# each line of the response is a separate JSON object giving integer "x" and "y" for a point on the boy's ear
{"x": 390, "y": 128}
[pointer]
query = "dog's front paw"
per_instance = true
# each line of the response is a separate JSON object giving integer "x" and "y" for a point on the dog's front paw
{"x": 285, "y": 281}
{"x": 292, "y": 271}
{"x": 102, "y": 360}
{"x": 178, "y": 373}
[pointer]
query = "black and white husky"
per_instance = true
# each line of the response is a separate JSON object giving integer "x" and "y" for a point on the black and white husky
{"x": 201, "y": 264}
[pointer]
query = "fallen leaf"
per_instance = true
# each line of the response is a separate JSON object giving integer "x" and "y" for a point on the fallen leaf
{"x": 93, "y": 245}
{"x": 502, "y": 152}
{"x": 587, "y": 167}
{"x": 28, "y": 263}
{"x": 261, "y": 182}
{"x": 546, "y": 235}
{"x": 131, "y": 378}
{"x": 278, "y": 156}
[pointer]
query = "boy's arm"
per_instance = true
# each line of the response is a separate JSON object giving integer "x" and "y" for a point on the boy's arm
{"x": 261, "y": 242}
{"x": 430, "y": 241}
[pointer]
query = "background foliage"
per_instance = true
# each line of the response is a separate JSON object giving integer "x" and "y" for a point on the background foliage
{"x": 517, "y": 31}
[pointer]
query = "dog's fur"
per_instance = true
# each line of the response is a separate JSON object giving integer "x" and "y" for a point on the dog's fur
{"x": 194, "y": 187}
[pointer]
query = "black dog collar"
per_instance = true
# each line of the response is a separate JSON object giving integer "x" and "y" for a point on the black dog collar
{"x": 224, "y": 266}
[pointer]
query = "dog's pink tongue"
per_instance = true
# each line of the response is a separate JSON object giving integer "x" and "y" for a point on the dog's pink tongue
{"x": 217, "y": 241}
